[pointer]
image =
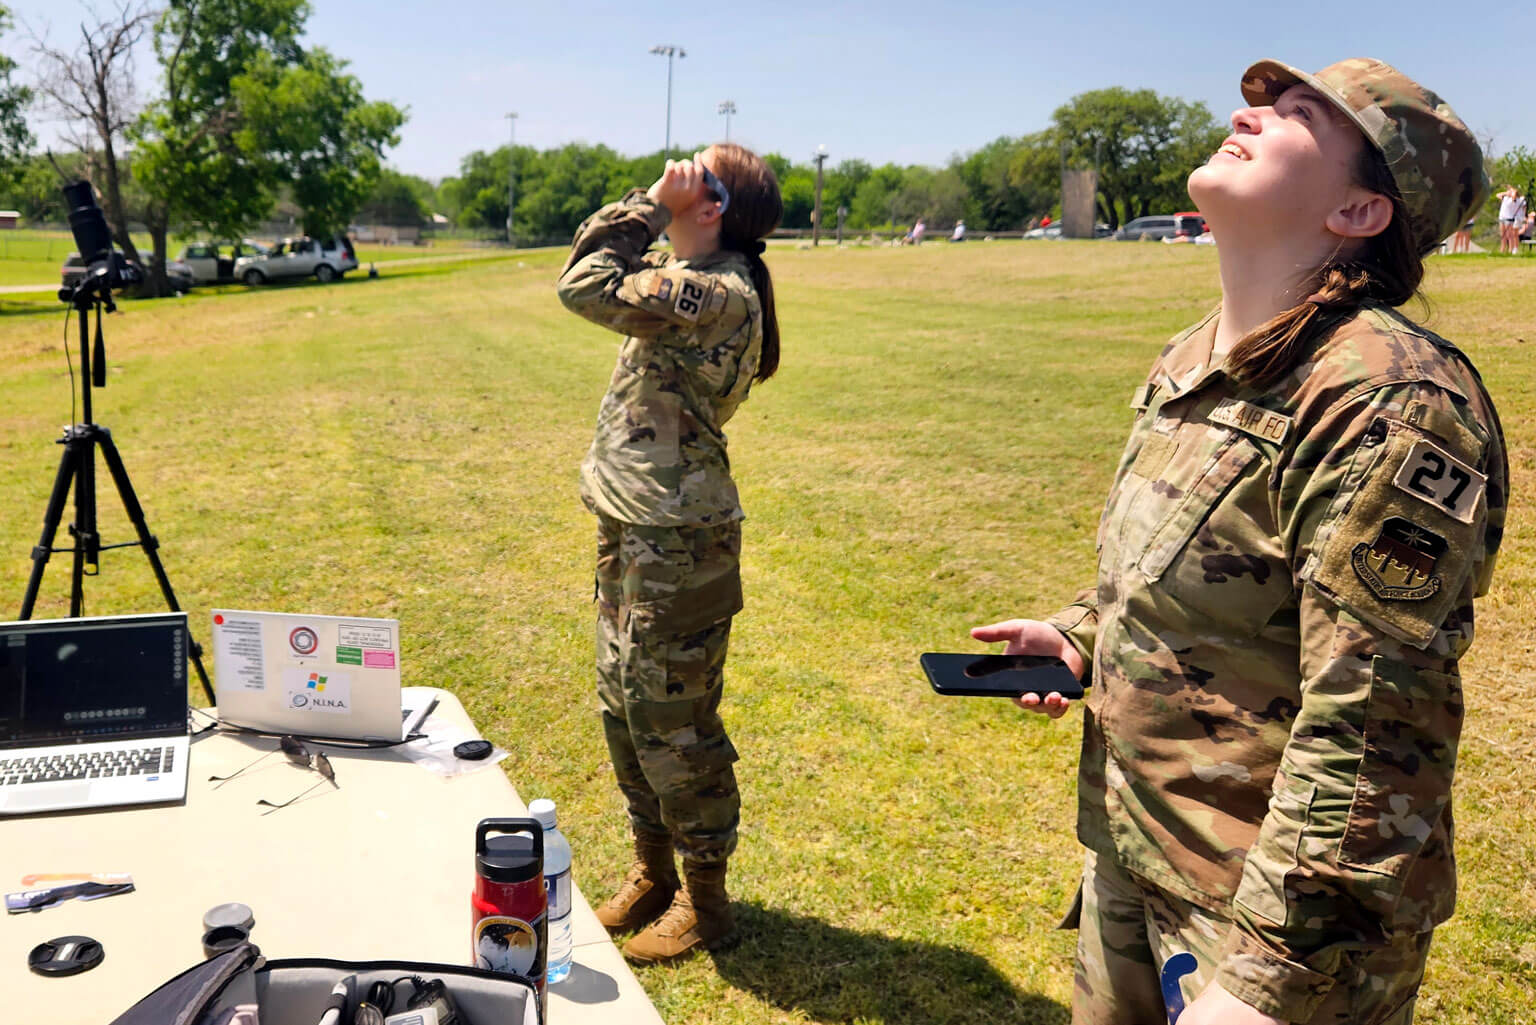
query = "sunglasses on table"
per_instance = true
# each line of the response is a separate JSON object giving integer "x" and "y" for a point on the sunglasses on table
{"x": 294, "y": 750}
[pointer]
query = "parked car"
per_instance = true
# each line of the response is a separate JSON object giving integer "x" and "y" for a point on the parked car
{"x": 326, "y": 259}
{"x": 213, "y": 263}
{"x": 1054, "y": 231}
{"x": 74, "y": 269}
{"x": 1162, "y": 226}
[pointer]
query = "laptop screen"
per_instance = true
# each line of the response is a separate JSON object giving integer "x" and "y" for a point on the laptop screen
{"x": 64, "y": 680}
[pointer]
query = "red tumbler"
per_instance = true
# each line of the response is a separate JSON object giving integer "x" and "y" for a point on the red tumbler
{"x": 509, "y": 907}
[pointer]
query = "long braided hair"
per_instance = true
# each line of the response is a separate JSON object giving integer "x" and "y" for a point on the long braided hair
{"x": 1385, "y": 271}
{"x": 754, "y": 211}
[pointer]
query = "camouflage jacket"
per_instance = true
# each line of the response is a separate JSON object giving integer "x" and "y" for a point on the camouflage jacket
{"x": 1285, "y": 587}
{"x": 695, "y": 336}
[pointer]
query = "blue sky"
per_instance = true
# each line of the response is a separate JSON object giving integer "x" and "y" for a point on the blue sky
{"x": 897, "y": 81}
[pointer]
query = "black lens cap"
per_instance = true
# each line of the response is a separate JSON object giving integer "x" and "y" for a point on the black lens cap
{"x": 472, "y": 750}
{"x": 67, "y": 955}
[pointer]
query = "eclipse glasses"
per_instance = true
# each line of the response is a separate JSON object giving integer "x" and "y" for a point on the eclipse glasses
{"x": 717, "y": 188}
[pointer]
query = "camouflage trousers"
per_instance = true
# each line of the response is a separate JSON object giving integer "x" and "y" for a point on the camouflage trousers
{"x": 665, "y": 598}
{"x": 1129, "y": 928}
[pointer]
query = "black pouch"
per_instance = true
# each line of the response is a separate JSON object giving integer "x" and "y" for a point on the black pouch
{"x": 296, "y": 991}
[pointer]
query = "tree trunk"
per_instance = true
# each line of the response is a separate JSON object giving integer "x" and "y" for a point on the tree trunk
{"x": 112, "y": 195}
{"x": 159, "y": 282}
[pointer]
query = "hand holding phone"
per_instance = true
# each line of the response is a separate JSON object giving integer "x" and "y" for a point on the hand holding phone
{"x": 1009, "y": 676}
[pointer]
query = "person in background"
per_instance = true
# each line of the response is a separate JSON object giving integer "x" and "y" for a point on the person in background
{"x": 1507, "y": 200}
{"x": 1312, "y": 495}
{"x": 1462, "y": 242}
{"x": 700, "y": 330}
{"x": 958, "y": 235}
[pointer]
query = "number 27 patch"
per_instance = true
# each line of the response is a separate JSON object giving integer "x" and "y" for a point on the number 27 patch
{"x": 1435, "y": 476}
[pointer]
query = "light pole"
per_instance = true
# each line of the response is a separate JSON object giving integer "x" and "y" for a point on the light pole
{"x": 669, "y": 51}
{"x": 511, "y": 175}
{"x": 821, "y": 158}
{"x": 727, "y": 107}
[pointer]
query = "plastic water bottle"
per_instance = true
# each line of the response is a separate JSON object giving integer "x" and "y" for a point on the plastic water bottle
{"x": 557, "y": 881}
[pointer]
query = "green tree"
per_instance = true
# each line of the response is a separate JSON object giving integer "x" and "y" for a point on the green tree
{"x": 15, "y": 138}
{"x": 34, "y": 191}
{"x": 322, "y": 139}
{"x": 91, "y": 86}
{"x": 996, "y": 198}
{"x": 874, "y": 200}
{"x": 196, "y": 157}
{"x": 398, "y": 199}
{"x": 1144, "y": 146}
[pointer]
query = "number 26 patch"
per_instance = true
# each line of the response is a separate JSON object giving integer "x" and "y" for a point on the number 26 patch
{"x": 1433, "y": 475}
{"x": 690, "y": 299}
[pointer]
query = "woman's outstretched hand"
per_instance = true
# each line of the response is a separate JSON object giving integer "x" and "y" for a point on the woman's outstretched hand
{"x": 1215, "y": 1006}
{"x": 679, "y": 186}
{"x": 1032, "y": 637}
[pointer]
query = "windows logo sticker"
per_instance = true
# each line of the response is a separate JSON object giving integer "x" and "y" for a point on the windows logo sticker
{"x": 316, "y": 683}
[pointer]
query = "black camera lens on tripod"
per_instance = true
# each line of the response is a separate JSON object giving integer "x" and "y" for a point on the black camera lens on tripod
{"x": 106, "y": 268}
{"x": 92, "y": 236}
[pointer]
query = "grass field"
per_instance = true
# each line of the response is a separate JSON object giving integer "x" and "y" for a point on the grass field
{"x": 933, "y": 454}
{"x": 33, "y": 256}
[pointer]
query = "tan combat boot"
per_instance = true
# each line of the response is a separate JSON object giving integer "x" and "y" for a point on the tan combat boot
{"x": 646, "y": 890}
{"x": 700, "y": 916}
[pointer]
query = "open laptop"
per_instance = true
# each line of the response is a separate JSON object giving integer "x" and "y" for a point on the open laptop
{"x": 332, "y": 677}
{"x": 93, "y": 712}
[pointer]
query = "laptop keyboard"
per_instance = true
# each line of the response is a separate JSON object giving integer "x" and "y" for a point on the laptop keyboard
{"x": 98, "y": 764}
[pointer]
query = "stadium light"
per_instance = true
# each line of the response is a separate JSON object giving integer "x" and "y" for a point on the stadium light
{"x": 727, "y": 107}
{"x": 669, "y": 51}
{"x": 511, "y": 175}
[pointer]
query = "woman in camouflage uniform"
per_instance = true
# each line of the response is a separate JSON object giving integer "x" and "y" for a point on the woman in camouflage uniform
{"x": 1312, "y": 495}
{"x": 700, "y": 330}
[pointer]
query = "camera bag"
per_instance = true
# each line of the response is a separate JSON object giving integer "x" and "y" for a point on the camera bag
{"x": 296, "y": 991}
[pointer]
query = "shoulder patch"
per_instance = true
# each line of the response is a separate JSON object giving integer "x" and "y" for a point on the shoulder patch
{"x": 1250, "y": 419}
{"x": 691, "y": 298}
{"x": 1400, "y": 564}
{"x": 662, "y": 288}
{"x": 1433, "y": 475}
{"x": 1405, "y": 539}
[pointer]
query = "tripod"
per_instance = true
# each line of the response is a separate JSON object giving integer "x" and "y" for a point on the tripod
{"x": 77, "y": 465}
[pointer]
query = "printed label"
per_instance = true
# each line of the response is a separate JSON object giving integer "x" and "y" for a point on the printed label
{"x": 328, "y": 692}
{"x": 557, "y": 891}
{"x": 1433, "y": 475}
{"x": 378, "y": 660}
{"x": 690, "y": 300}
{"x": 505, "y": 944}
{"x": 241, "y": 641}
{"x": 1251, "y": 419}
{"x": 349, "y": 656}
{"x": 362, "y": 635}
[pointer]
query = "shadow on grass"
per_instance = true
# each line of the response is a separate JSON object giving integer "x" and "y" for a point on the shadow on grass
{"x": 829, "y": 974}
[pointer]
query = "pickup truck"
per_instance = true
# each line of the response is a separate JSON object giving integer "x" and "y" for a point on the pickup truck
{"x": 326, "y": 259}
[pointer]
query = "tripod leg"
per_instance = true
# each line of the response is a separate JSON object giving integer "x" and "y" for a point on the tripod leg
{"x": 150, "y": 544}
{"x": 51, "y": 517}
{"x": 87, "y": 540}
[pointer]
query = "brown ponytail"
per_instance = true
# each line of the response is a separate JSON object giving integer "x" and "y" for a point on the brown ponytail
{"x": 755, "y": 210}
{"x": 1386, "y": 271}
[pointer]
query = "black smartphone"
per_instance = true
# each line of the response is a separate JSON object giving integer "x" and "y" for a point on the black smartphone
{"x": 1000, "y": 676}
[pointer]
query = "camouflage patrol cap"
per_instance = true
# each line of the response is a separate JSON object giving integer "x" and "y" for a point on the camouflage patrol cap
{"x": 1434, "y": 158}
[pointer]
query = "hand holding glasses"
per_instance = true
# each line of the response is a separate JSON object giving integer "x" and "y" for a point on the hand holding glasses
{"x": 295, "y": 751}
